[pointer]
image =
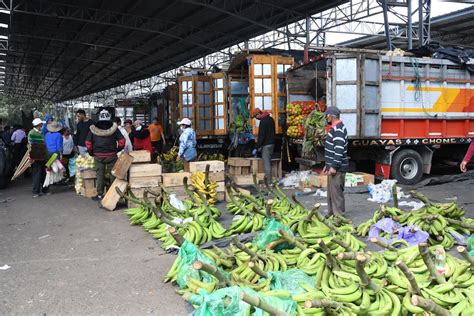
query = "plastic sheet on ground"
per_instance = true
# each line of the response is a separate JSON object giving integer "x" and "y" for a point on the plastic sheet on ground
{"x": 271, "y": 233}
{"x": 291, "y": 280}
{"x": 470, "y": 245}
{"x": 188, "y": 254}
{"x": 176, "y": 202}
{"x": 382, "y": 192}
{"x": 293, "y": 179}
{"x": 415, "y": 205}
{"x": 398, "y": 232}
{"x": 227, "y": 302}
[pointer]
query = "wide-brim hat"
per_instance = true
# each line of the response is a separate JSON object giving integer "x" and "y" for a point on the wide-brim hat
{"x": 54, "y": 127}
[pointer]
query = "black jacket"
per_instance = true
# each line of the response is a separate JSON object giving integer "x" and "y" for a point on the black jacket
{"x": 266, "y": 132}
{"x": 81, "y": 132}
{"x": 104, "y": 139}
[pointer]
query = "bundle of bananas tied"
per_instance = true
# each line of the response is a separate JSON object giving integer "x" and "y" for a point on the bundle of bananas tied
{"x": 206, "y": 188}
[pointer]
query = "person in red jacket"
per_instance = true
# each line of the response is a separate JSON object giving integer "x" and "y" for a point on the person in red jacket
{"x": 467, "y": 157}
{"x": 141, "y": 137}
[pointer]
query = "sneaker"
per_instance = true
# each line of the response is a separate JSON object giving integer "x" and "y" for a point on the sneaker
{"x": 97, "y": 198}
{"x": 36, "y": 195}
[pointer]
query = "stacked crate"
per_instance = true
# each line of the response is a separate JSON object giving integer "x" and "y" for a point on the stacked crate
{"x": 143, "y": 174}
{"x": 88, "y": 182}
{"x": 242, "y": 169}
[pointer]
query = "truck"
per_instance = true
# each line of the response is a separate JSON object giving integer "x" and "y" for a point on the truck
{"x": 399, "y": 111}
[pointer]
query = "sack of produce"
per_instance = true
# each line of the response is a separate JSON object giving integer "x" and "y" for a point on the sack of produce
{"x": 271, "y": 233}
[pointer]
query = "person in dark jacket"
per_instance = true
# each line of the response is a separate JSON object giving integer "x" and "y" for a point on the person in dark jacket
{"x": 265, "y": 140}
{"x": 104, "y": 142}
{"x": 82, "y": 130}
{"x": 337, "y": 164}
{"x": 7, "y": 135}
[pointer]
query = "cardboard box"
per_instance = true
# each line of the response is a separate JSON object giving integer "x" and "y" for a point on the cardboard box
{"x": 145, "y": 170}
{"x": 145, "y": 182}
{"x": 214, "y": 166}
{"x": 352, "y": 180}
{"x": 175, "y": 179}
{"x": 140, "y": 156}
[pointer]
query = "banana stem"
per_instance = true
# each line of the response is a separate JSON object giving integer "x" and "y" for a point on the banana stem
{"x": 330, "y": 225}
{"x": 212, "y": 270}
{"x": 426, "y": 256}
{"x": 233, "y": 200}
{"x": 395, "y": 195}
{"x": 382, "y": 244}
{"x": 460, "y": 223}
{"x": 313, "y": 212}
{"x": 275, "y": 243}
{"x": 329, "y": 257}
{"x": 269, "y": 189}
{"x": 258, "y": 302}
{"x": 365, "y": 280}
{"x": 351, "y": 255}
{"x": 257, "y": 187}
{"x": 325, "y": 303}
{"x": 206, "y": 174}
{"x": 176, "y": 236}
{"x": 295, "y": 200}
{"x": 342, "y": 243}
{"x": 463, "y": 252}
{"x": 429, "y": 306}
{"x": 242, "y": 247}
{"x": 188, "y": 191}
{"x": 282, "y": 194}
{"x": 129, "y": 197}
{"x": 420, "y": 197}
{"x": 255, "y": 268}
{"x": 291, "y": 240}
{"x": 410, "y": 276}
{"x": 268, "y": 208}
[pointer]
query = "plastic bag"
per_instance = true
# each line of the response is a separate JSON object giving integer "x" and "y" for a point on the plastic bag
{"x": 189, "y": 253}
{"x": 291, "y": 281}
{"x": 227, "y": 302}
{"x": 397, "y": 232}
{"x": 176, "y": 202}
{"x": 271, "y": 233}
{"x": 72, "y": 166}
{"x": 382, "y": 192}
{"x": 470, "y": 245}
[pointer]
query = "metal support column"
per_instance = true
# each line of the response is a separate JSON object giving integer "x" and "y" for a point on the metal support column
{"x": 386, "y": 25}
{"x": 409, "y": 26}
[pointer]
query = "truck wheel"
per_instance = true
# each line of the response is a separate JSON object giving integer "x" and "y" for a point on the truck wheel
{"x": 407, "y": 167}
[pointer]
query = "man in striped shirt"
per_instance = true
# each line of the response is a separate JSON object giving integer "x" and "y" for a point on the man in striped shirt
{"x": 337, "y": 164}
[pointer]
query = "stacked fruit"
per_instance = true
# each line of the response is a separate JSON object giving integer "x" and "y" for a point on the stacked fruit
{"x": 205, "y": 189}
{"x": 443, "y": 221}
{"x": 297, "y": 112}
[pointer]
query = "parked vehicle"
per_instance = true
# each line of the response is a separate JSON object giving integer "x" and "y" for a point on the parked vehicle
{"x": 398, "y": 111}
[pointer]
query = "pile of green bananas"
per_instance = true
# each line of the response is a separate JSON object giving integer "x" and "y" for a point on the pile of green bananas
{"x": 440, "y": 220}
{"x": 213, "y": 156}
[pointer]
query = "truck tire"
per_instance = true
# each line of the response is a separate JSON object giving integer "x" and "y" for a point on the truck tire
{"x": 407, "y": 167}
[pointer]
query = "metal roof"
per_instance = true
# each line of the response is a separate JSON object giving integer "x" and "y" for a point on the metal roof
{"x": 63, "y": 49}
{"x": 450, "y": 29}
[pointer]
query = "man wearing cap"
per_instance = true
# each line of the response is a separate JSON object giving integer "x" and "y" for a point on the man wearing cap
{"x": 265, "y": 140}
{"x": 104, "y": 142}
{"x": 337, "y": 164}
{"x": 187, "y": 141}
{"x": 38, "y": 157}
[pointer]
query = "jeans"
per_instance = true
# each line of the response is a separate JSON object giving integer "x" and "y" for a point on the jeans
{"x": 103, "y": 166}
{"x": 267, "y": 151}
{"x": 38, "y": 176}
{"x": 336, "y": 202}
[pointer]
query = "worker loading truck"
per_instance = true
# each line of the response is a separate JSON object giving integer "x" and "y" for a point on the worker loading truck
{"x": 399, "y": 111}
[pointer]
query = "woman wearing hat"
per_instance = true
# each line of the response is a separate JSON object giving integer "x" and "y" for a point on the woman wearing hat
{"x": 54, "y": 139}
{"x": 187, "y": 141}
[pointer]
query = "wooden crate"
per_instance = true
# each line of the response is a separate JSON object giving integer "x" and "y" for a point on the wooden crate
{"x": 217, "y": 176}
{"x": 221, "y": 186}
{"x": 88, "y": 192}
{"x": 87, "y": 174}
{"x": 239, "y": 170}
{"x": 247, "y": 179}
{"x": 257, "y": 167}
{"x": 140, "y": 156}
{"x": 120, "y": 169}
{"x": 145, "y": 182}
{"x": 214, "y": 166}
{"x": 139, "y": 192}
{"x": 175, "y": 179}
{"x": 238, "y": 162}
{"x": 145, "y": 170}
{"x": 111, "y": 198}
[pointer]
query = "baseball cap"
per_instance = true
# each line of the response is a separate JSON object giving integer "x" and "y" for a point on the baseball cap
{"x": 37, "y": 121}
{"x": 333, "y": 111}
{"x": 185, "y": 121}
